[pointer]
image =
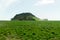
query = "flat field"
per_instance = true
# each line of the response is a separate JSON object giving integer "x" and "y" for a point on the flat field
{"x": 29, "y": 30}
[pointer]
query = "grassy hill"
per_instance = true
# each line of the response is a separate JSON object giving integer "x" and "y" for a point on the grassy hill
{"x": 30, "y": 30}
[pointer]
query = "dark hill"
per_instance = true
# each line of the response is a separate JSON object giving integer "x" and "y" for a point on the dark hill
{"x": 25, "y": 16}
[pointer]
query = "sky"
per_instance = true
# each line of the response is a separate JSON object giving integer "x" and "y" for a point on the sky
{"x": 43, "y": 9}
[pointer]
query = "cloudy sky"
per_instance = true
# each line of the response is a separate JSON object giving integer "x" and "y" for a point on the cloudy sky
{"x": 49, "y": 9}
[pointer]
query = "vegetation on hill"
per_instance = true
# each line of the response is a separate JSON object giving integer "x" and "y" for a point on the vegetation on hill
{"x": 30, "y": 30}
{"x": 25, "y": 16}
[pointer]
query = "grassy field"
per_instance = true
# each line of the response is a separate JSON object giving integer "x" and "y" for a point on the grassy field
{"x": 30, "y": 30}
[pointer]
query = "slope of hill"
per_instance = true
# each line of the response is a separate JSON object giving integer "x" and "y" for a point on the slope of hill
{"x": 30, "y": 30}
{"x": 25, "y": 16}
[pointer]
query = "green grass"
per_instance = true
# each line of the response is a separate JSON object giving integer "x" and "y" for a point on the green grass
{"x": 30, "y": 30}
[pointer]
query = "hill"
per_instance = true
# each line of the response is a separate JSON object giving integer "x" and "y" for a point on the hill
{"x": 30, "y": 30}
{"x": 25, "y": 17}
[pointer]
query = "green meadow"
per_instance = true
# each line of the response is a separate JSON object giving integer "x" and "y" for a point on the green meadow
{"x": 29, "y": 30}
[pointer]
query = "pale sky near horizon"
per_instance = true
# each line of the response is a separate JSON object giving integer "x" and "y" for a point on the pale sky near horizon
{"x": 44, "y": 9}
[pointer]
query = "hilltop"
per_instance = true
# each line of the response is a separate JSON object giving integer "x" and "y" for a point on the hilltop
{"x": 25, "y": 16}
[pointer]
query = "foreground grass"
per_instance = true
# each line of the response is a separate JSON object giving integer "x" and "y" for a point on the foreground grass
{"x": 30, "y": 30}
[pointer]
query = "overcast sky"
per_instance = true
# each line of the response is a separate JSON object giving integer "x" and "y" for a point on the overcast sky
{"x": 49, "y": 9}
